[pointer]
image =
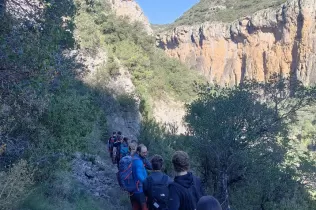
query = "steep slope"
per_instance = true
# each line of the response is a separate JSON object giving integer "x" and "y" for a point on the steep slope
{"x": 223, "y": 10}
{"x": 281, "y": 40}
{"x": 131, "y": 10}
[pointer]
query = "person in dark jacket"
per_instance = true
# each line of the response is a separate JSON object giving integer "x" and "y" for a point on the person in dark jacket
{"x": 186, "y": 190}
{"x": 208, "y": 203}
{"x": 116, "y": 148}
{"x": 157, "y": 177}
{"x": 111, "y": 142}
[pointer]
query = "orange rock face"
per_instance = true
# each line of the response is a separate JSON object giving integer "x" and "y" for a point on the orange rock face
{"x": 281, "y": 40}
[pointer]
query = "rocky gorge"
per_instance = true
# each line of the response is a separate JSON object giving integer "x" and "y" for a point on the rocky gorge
{"x": 275, "y": 40}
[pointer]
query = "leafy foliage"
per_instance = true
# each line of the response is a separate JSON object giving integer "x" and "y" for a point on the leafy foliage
{"x": 162, "y": 140}
{"x": 154, "y": 74}
{"x": 127, "y": 102}
{"x": 14, "y": 184}
{"x": 240, "y": 141}
{"x": 40, "y": 87}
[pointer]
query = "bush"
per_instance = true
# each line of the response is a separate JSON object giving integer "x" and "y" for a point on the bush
{"x": 70, "y": 118}
{"x": 127, "y": 102}
{"x": 15, "y": 184}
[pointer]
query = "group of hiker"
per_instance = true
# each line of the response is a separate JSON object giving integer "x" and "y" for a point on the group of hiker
{"x": 157, "y": 191}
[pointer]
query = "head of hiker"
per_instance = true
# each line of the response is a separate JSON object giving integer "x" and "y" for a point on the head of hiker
{"x": 142, "y": 150}
{"x": 208, "y": 203}
{"x": 181, "y": 162}
{"x": 132, "y": 147}
{"x": 157, "y": 162}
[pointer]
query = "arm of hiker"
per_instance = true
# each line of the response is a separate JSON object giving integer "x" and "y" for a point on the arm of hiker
{"x": 147, "y": 164}
{"x": 174, "y": 200}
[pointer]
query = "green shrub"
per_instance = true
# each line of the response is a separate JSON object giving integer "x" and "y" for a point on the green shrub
{"x": 70, "y": 118}
{"x": 15, "y": 184}
{"x": 112, "y": 66}
{"x": 127, "y": 102}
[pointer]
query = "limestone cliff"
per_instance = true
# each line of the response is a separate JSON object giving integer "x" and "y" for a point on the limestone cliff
{"x": 130, "y": 9}
{"x": 281, "y": 40}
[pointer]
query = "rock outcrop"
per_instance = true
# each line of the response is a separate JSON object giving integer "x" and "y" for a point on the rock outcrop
{"x": 130, "y": 9}
{"x": 275, "y": 40}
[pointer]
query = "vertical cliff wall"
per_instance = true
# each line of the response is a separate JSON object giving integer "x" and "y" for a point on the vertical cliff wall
{"x": 281, "y": 40}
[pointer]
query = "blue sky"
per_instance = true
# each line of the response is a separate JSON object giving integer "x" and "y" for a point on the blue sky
{"x": 165, "y": 11}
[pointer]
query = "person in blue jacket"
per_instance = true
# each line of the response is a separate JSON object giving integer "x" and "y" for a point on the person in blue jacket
{"x": 139, "y": 166}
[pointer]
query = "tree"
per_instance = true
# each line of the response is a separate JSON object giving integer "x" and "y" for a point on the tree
{"x": 240, "y": 132}
{"x": 2, "y": 7}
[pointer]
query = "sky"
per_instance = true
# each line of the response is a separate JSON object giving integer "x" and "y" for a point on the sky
{"x": 165, "y": 11}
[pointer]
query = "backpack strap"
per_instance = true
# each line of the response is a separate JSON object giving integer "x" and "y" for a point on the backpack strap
{"x": 150, "y": 182}
{"x": 194, "y": 195}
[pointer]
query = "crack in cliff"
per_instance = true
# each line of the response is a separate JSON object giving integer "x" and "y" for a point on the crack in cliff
{"x": 265, "y": 67}
{"x": 243, "y": 68}
{"x": 295, "y": 49}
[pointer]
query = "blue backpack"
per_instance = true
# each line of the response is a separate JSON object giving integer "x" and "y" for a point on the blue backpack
{"x": 125, "y": 175}
{"x": 124, "y": 150}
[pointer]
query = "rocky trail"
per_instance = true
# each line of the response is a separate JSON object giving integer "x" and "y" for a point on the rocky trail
{"x": 97, "y": 175}
{"x": 95, "y": 172}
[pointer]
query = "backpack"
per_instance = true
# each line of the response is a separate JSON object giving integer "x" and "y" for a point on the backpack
{"x": 125, "y": 175}
{"x": 123, "y": 150}
{"x": 158, "y": 193}
{"x": 192, "y": 194}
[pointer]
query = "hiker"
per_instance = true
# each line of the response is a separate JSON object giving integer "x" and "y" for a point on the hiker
{"x": 119, "y": 135}
{"x": 186, "y": 190}
{"x": 208, "y": 203}
{"x": 116, "y": 146}
{"x": 122, "y": 150}
{"x": 125, "y": 167}
{"x": 111, "y": 143}
{"x": 131, "y": 175}
{"x": 142, "y": 152}
{"x": 132, "y": 148}
{"x": 139, "y": 165}
{"x": 156, "y": 186}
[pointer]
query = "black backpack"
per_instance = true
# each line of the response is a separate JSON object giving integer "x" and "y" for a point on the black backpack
{"x": 192, "y": 194}
{"x": 158, "y": 193}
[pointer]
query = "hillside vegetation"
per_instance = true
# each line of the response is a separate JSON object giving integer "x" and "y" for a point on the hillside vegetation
{"x": 47, "y": 112}
{"x": 154, "y": 74}
{"x": 223, "y": 10}
{"x": 250, "y": 149}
